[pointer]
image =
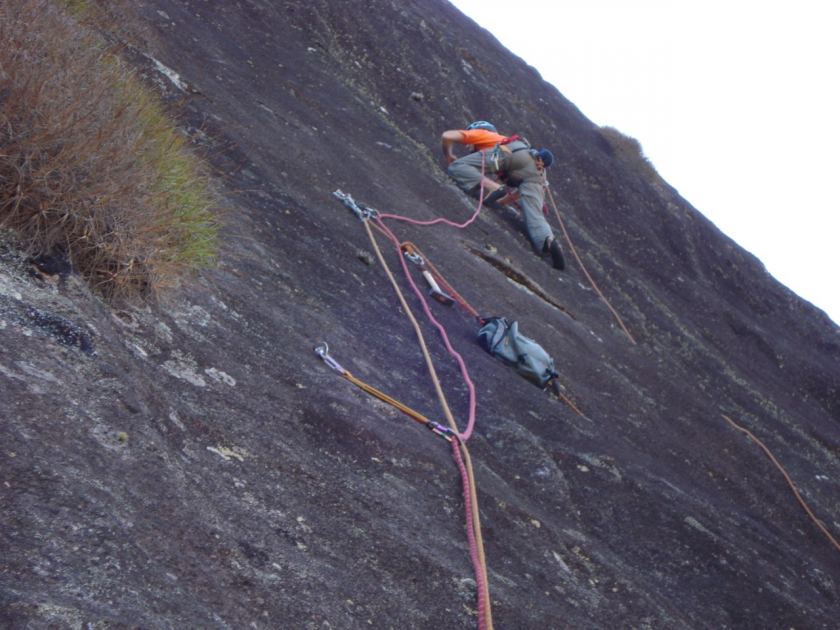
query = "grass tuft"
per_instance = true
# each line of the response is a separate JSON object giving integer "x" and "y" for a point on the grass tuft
{"x": 629, "y": 151}
{"x": 91, "y": 163}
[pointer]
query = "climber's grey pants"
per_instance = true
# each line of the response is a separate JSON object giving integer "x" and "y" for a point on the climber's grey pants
{"x": 532, "y": 198}
{"x": 466, "y": 172}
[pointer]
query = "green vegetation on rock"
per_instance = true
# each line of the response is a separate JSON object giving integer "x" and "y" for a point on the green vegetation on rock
{"x": 92, "y": 166}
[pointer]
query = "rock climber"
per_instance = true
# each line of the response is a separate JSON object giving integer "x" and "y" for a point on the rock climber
{"x": 519, "y": 166}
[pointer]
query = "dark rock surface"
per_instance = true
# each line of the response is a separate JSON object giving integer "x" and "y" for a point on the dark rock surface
{"x": 195, "y": 465}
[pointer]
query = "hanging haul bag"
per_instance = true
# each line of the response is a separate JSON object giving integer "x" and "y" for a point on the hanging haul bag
{"x": 502, "y": 340}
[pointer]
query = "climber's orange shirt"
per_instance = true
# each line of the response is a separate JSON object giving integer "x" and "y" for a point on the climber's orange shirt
{"x": 481, "y": 138}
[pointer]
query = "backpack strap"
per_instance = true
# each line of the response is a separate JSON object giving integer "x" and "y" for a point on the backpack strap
{"x": 503, "y": 145}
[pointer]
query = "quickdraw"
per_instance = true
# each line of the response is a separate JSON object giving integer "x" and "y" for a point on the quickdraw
{"x": 323, "y": 351}
{"x": 363, "y": 213}
{"x": 413, "y": 253}
{"x": 371, "y": 217}
{"x": 434, "y": 288}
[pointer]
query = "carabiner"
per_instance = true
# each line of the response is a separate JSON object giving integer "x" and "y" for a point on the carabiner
{"x": 417, "y": 259}
{"x": 350, "y": 203}
{"x": 323, "y": 351}
{"x": 445, "y": 432}
{"x": 370, "y": 213}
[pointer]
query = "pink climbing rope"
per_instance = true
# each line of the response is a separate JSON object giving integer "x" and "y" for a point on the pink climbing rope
{"x": 460, "y": 226}
{"x": 471, "y": 422}
{"x": 485, "y": 619}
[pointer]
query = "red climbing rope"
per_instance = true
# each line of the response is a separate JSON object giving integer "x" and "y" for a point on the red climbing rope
{"x": 787, "y": 477}
{"x": 485, "y": 621}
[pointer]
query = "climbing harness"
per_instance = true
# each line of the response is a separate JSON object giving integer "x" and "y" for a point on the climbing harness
{"x": 502, "y": 147}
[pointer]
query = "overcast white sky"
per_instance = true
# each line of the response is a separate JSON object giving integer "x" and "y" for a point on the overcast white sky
{"x": 736, "y": 103}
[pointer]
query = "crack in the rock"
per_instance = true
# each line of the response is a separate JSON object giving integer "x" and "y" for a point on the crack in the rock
{"x": 518, "y": 277}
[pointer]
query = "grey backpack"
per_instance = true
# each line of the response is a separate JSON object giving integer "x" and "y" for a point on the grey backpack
{"x": 502, "y": 340}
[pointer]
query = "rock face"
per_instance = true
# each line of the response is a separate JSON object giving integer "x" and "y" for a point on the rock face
{"x": 196, "y": 465}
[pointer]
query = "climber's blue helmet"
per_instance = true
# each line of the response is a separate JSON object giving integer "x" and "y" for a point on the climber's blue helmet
{"x": 482, "y": 124}
{"x": 546, "y": 156}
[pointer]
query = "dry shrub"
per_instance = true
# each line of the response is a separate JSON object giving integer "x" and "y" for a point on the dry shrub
{"x": 629, "y": 151}
{"x": 91, "y": 165}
